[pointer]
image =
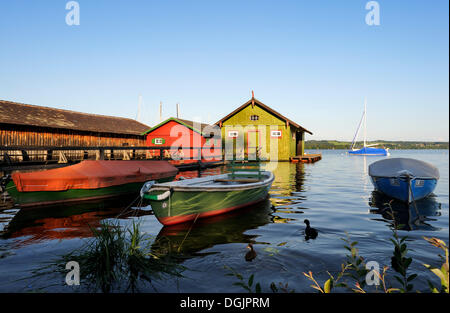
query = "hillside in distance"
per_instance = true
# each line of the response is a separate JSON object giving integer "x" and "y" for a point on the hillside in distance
{"x": 394, "y": 145}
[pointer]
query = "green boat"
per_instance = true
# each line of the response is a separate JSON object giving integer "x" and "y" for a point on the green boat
{"x": 87, "y": 180}
{"x": 188, "y": 200}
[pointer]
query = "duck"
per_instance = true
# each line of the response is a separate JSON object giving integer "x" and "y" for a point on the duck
{"x": 309, "y": 231}
{"x": 249, "y": 256}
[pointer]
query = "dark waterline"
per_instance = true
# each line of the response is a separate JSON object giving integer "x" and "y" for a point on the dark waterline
{"x": 335, "y": 194}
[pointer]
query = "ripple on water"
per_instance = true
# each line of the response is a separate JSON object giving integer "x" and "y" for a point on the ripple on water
{"x": 335, "y": 194}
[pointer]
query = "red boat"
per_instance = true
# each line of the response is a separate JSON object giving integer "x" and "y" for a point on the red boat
{"x": 86, "y": 180}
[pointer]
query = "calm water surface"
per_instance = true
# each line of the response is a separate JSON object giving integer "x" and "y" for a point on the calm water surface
{"x": 335, "y": 194}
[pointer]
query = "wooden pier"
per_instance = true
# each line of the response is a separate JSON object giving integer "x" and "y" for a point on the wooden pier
{"x": 307, "y": 158}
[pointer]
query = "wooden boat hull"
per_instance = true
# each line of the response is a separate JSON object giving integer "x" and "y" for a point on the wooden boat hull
{"x": 44, "y": 198}
{"x": 183, "y": 204}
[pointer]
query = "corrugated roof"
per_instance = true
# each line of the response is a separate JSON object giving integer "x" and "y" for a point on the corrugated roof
{"x": 32, "y": 115}
{"x": 265, "y": 107}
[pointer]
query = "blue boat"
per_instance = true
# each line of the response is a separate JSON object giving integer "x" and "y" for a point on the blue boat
{"x": 404, "y": 179}
{"x": 369, "y": 151}
{"x": 366, "y": 149}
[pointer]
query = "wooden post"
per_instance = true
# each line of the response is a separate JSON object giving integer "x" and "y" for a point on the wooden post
{"x": 49, "y": 155}
{"x": 7, "y": 158}
{"x": 102, "y": 154}
{"x": 301, "y": 143}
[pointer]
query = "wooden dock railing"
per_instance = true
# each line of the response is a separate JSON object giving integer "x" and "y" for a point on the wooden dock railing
{"x": 41, "y": 155}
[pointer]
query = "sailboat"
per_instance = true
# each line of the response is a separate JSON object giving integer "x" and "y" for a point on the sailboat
{"x": 366, "y": 149}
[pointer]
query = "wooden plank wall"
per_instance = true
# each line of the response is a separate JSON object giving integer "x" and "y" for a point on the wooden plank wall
{"x": 17, "y": 135}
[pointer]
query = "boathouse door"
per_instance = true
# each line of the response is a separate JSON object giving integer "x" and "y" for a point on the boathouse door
{"x": 300, "y": 141}
{"x": 253, "y": 141}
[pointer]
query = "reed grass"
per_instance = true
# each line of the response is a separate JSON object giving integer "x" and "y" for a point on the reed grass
{"x": 118, "y": 259}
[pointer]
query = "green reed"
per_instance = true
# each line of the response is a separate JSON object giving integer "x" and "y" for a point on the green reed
{"x": 117, "y": 258}
{"x": 355, "y": 268}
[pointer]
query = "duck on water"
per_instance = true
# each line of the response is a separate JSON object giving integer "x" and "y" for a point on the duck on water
{"x": 250, "y": 255}
{"x": 310, "y": 233}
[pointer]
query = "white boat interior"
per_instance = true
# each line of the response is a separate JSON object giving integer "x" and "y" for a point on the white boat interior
{"x": 244, "y": 180}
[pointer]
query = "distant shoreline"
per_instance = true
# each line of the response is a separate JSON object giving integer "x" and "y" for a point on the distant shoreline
{"x": 393, "y": 145}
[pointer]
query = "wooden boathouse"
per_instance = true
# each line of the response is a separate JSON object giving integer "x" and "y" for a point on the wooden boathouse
{"x": 182, "y": 135}
{"x": 32, "y": 125}
{"x": 25, "y": 125}
{"x": 256, "y": 131}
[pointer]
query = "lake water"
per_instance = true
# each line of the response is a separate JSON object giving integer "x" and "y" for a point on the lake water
{"x": 335, "y": 194}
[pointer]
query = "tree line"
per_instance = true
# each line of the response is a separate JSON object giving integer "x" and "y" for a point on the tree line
{"x": 334, "y": 144}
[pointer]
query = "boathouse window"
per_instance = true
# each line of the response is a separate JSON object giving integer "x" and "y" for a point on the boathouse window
{"x": 254, "y": 117}
{"x": 275, "y": 133}
{"x": 232, "y": 134}
{"x": 158, "y": 141}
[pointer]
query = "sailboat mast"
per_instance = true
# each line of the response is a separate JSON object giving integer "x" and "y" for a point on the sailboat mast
{"x": 365, "y": 121}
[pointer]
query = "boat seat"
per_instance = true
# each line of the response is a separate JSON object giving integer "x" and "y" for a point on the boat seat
{"x": 239, "y": 180}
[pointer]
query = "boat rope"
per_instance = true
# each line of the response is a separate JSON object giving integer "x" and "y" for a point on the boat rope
{"x": 170, "y": 203}
{"x": 179, "y": 248}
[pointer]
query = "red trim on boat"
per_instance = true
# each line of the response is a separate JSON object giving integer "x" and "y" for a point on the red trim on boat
{"x": 171, "y": 220}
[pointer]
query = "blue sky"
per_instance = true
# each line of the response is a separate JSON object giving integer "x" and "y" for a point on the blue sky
{"x": 313, "y": 61}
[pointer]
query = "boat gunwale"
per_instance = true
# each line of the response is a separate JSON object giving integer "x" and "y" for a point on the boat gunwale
{"x": 191, "y": 187}
{"x": 436, "y": 176}
{"x": 401, "y": 177}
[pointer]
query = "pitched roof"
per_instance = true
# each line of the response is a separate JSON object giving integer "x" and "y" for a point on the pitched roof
{"x": 266, "y": 108}
{"x": 195, "y": 126}
{"x": 33, "y": 115}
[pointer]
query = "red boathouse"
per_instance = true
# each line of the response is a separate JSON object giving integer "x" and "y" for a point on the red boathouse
{"x": 182, "y": 136}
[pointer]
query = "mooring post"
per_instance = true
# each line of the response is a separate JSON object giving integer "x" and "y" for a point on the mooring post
{"x": 7, "y": 158}
{"x": 49, "y": 155}
{"x": 25, "y": 156}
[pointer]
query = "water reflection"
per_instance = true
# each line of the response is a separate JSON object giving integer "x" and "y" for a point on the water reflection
{"x": 288, "y": 192}
{"x": 199, "y": 173}
{"x": 34, "y": 225}
{"x": 407, "y": 217}
{"x": 190, "y": 240}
